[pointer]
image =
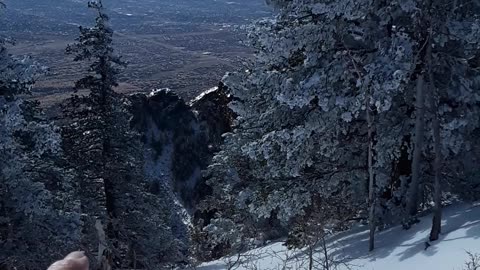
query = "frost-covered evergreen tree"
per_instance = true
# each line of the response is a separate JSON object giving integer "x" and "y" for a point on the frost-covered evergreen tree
{"x": 453, "y": 99}
{"x": 37, "y": 193}
{"x": 335, "y": 82}
{"x": 109, "y": 156}
{"x": 17, "y": 75}
{"x": 95, "y": 45}
{"x": 38, "y": 196}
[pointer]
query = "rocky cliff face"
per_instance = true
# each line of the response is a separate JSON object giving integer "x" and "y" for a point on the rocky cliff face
{"x": 179, "y": 140}
{"x": 131, "y": 206}
{"x": 181, "y": 137}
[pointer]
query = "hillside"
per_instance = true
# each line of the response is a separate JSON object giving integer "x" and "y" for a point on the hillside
{"x": 397, "y": 249}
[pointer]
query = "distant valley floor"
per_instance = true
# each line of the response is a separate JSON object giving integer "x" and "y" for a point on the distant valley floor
{"x": 187, "y": 50}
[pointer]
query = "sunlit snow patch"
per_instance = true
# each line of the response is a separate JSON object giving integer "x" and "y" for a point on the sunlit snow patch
{"x": 396, "y": 249}
{"x": 204, "y": 93}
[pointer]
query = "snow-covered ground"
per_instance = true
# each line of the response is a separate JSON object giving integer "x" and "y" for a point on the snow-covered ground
{"x": 396, "y": 249}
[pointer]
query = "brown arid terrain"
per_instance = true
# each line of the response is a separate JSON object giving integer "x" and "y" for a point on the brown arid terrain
{"x": 184, "y": 45}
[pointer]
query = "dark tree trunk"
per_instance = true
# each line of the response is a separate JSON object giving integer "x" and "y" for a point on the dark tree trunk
{"x": 371, "y": 181}
{"x": 437, "y": 209}
{"x": 413, "y": 196}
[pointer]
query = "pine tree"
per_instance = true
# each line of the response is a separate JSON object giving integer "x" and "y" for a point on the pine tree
{"x": 37, "y": 193}
{"x": 18, "y": 73}
{"x": 95, "y": 44}
{"x": 327, "y": 110}
{"x": 109, "y": 156}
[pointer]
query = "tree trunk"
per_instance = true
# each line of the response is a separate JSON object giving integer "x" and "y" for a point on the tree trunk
{"x": 437, "y": 209}
{"x": 371, "y": 181}
{"x": 413, "y": 196}
{"x": 310, "y": 257}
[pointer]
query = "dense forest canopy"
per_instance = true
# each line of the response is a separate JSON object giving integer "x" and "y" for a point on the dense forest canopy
{"x": 351, "y": 110}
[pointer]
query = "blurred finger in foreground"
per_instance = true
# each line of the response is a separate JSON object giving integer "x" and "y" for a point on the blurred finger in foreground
{"x": 73, "y": 261}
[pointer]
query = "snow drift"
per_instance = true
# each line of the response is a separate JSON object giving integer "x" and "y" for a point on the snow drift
{"x": 397, "y": 249}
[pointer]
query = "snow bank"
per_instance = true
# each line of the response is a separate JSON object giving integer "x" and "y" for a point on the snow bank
{"x": 396, "y": 249}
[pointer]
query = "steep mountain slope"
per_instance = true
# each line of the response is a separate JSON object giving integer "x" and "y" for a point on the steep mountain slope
{"x": 397, "y": 249}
